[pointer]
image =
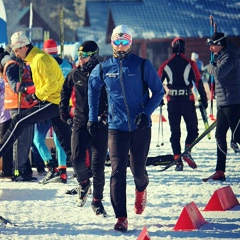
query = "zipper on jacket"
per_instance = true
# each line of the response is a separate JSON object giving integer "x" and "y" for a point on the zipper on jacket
{"x": 124, "y": 97}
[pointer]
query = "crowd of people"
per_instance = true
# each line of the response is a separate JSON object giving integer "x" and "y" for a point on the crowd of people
{"x": 97, "y": 108}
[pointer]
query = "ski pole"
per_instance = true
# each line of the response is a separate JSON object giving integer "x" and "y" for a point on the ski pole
{"x": 16, "y": 171}
{"x": 213, "y": 28}
{"x": 159, "y": 119}
{"x": 62, "y": 32}
{"x": 161, "y": 124}
{"x": 202, "y": 110}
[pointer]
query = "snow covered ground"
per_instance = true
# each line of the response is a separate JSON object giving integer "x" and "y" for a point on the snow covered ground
{"x": 46, "y": 212}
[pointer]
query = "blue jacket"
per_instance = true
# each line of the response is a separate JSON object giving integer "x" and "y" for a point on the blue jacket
{"x": 125, "y": 90}
{"x": 226, "y": 74}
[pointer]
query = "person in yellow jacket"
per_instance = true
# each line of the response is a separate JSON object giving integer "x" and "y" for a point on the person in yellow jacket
{"x": 48, "y": 80}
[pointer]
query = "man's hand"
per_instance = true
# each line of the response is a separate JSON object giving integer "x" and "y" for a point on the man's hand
{"x": 141, "y": 120}
{"x": 92, "y": 128}
{"x": 204, "y": 103}
{"x": 31, "y": 98}
{"x": 65, "y": 117}
{"x": 23, "y": 89}
{"x": 162, "y": 103}
{"x": 103, "y": 117}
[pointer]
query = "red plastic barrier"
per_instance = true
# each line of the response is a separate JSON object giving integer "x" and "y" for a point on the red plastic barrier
{"x": 190, "y": 218}
{"x": 221, "y": 200}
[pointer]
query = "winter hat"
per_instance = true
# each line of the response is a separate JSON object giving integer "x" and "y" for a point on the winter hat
{"x": 88, "y": 46}
{"x": 218, "y": 39}
{"x": 18, "y": 40}
{"x": 50, "y": 46}
{"x": 178, "y": 45}
{"x": 121, "y": 32}
{"x": 194, "y": 56}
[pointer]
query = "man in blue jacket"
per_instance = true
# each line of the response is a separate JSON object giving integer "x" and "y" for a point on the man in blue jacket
{"x": 127, "y": 78}
{"x": 226, "y": 72}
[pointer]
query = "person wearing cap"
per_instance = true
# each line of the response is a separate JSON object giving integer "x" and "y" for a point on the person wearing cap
{"x": 87, "y": 152}
{"x": 6, "y": 162}
{"x": 41, "y": 129}
{"x": 19, "y": 83}
{"x": 48, "y": 80}
{"x": 226, "y": 72}
{"x": 127, "y": 78}
{"x": 180, "y": 73}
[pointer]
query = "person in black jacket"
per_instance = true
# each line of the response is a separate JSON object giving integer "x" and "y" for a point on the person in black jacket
{"x": 82, "y": 144}
{"x": 226, "y": 72}
{"x": 180, "y": 74}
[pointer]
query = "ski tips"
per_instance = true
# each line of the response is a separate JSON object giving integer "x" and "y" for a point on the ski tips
{"x": 5, "y": 222}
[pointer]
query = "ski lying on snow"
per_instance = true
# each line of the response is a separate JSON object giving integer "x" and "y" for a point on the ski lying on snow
{"x": 5, "y": 222}
{"x": 158, "y": 160}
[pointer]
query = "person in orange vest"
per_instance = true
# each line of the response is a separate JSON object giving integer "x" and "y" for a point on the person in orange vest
{"x": 17, "y": 77}
{"x": 5, "y": 120}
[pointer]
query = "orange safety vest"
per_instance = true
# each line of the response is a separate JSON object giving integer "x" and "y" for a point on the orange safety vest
{"x": 11, "y": 98}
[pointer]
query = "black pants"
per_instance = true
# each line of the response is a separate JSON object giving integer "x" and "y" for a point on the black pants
{"x": 82, "y": 143}
{"x": 7, "y": 159}
{"x": 227, "y": 117}
{"x": 38, "y": 113}
{"x": 120, "y": 143}
{"x": 176, "y": 110}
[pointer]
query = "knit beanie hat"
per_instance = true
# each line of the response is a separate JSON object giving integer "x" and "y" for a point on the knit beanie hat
{"x": 18, "y": 40}
{"x": 50, "y": 46}
{"x": 88, "y": 46}
{"x": 218, "y": 39}
{"x": 121, "y": 32}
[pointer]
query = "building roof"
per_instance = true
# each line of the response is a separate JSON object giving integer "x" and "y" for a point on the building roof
{"x": 154, "y": 19}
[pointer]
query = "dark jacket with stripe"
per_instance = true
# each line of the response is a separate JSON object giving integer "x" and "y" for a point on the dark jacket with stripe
{"x": 180, "y": 74}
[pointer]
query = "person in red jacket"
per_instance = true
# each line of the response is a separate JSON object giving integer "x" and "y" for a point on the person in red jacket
{"x": 179, "y": 73}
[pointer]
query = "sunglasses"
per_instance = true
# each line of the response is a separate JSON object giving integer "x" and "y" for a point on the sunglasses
{"x": 124, "y": 42}
{"x": 211, "y": 42}
{"x": 85, "y": 54}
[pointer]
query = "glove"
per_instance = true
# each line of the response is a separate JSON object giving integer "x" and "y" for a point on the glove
{"x": 103, "y": 117}
{"x": 213, "y": 62}
{"x": 20, "y": 88}
{"x": 92, "y": 128}
{"x": 23, "y": 89}
{"x": 141, "y": 120}
{"x": 161, "y": 103}
{"x": 31, "y": 98}
{"x": 204, "y": 103}
{"x": 65, "y": 117}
